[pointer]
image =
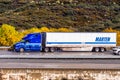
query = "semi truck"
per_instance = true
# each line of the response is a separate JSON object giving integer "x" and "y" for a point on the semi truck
{"x": 66, "y": 41}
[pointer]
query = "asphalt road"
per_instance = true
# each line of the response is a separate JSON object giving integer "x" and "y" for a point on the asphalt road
{"x": 59, "y": 60}
{"x": 5, "y": 52}
{"x": 10, "y": 54}
{"x": 59, "y": 64}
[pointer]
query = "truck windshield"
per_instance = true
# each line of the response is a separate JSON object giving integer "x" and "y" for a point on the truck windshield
{"x": 25, "y": 41}
{"x": 22, "y": 41}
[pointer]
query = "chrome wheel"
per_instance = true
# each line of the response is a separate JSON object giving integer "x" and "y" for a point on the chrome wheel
{"x": 102, "y": 49}
{"x": 52, "y": 49}
{"x": 46, "y": 49}
{"x": 97, "y": 49}
{"x": 22, "y": 50}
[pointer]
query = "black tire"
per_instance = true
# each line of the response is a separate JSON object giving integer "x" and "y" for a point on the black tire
{"x": 21, "y": 50}
{"x": 46, "y": 49}
{"x": 97, "y": 49}
{"x": 119, "y": 53}
{"x": 52, "y": 49}
{"x": 114, "y": 53}
{"x": 102, "y": 49}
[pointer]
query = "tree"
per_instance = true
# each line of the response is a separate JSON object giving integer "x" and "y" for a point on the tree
{"x": 112, "y": 30}
{"x": 8, "y": 35}
{"x": 64, "y": 30}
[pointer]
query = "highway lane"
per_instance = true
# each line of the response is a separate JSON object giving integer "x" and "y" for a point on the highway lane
{"x": 56, "y": 61}
{"x": 62, "y": 55}
{"x": 5, "y": 52}
{"x": 82, "y": 63}
{"x": 74, "y": 55}
{"x": 60, "y": 64}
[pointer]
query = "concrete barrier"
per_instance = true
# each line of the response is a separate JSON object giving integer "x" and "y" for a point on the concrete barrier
{"x": 4, "y": 47}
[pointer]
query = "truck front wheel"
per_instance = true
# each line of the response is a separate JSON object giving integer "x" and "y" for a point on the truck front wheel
{"x": 22, "y": 50}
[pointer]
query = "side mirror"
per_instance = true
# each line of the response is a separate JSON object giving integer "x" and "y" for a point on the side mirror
{"x": 27, "y": 41}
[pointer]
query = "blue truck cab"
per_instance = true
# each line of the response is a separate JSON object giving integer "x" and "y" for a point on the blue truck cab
{"x": 31, "y": 42}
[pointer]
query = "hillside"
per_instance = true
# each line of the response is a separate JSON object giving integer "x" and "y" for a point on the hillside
{"x": 79, "y": 15}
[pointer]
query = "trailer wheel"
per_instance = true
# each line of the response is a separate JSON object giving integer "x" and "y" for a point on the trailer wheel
{"x": 46, "y": 49}
{"x": 22, "y": 50}
{"x": 102, "y": 49}
{"x": 52, "y": 49}
{"x": 97, "y": 49}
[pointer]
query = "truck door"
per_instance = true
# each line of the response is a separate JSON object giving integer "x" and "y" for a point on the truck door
{"x": 28, "y": 46}
{"x": 36, "y": 42}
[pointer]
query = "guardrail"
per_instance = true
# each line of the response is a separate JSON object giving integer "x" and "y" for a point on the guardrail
{"x": 4, "y": 47}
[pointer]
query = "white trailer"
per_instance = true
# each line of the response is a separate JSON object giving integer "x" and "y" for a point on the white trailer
{"x": 76, "y": 41}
